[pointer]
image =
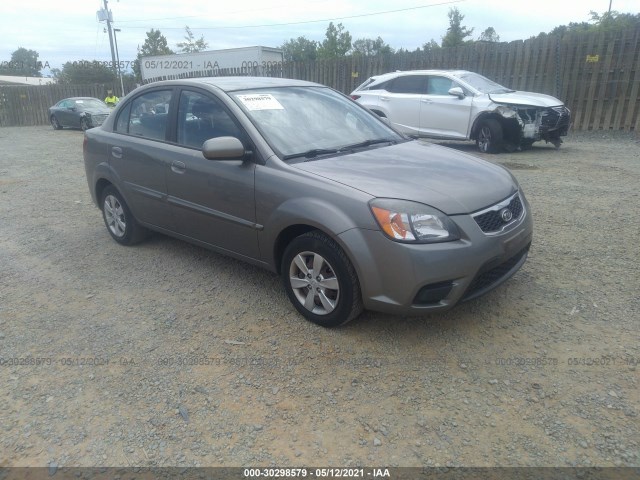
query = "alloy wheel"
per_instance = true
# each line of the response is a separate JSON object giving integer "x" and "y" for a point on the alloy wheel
{"x": 114, "y": 216}
{"x": 314, "y": 283}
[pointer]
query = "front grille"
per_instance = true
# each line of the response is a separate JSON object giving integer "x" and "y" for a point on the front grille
{"x": 492, "y": 221}
{"x": 484, "y": 280}
{"x": 555, "y": 117}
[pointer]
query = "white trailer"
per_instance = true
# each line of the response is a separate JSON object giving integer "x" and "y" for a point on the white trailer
{"x": 254, "y": 61}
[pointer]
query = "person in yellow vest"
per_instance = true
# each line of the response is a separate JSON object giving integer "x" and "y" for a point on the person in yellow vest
{"x": 111, "y": 99}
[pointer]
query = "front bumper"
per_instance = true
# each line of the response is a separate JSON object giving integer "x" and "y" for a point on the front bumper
{"x": 414, "y": 279}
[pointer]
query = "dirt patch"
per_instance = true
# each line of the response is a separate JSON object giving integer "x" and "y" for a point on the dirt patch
{"x": 167, "y": 354}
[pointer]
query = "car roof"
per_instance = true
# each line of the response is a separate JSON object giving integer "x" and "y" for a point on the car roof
{"x": 229, "y": 84}
{"x": 399, "y": 73}
{"x": 80, "y": 98}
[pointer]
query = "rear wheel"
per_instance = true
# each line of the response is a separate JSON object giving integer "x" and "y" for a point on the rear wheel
{"x": 120, "y": 223}
{"x": 320, "y": 280}
{"x": 55, "y": 123}
{"x": 490, "y": 136}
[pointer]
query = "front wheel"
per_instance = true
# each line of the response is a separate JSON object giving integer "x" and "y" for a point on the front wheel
{"x": 489, "y": 138}
{"x": 120, "y": 223}
{"x": 84, "y": 124}
{"x": 320, "y": 280}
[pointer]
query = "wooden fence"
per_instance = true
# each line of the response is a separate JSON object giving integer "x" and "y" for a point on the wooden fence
{"x": 596, "y": 74}
{"x": 29, "y": 104}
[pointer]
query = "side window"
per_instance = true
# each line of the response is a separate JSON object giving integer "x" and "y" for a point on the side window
{"x": 408, "y": 84}
{"x": 380, "y": 86}
{"x": 202, "y": 117}
{"x": 439, "y": 85}
{"x": 122, "y": 123}
{"x": 148, "y": 115}
{"x": 65, "y": 104}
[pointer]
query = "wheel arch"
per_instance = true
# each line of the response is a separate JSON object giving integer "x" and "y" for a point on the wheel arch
{"x": 101, "y": 184}
{"x": 475, "y": 128}
{"x": 288, "y": 234}
{"x": 510, "y": 127}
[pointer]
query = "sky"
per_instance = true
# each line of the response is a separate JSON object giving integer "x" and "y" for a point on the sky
{"x": 68, "y": 30}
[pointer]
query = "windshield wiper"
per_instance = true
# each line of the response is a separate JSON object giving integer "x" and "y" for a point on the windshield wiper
{"x": 311, "y": 153}
{"x": 326, "y": 151}
{"x": 368, "y": 143}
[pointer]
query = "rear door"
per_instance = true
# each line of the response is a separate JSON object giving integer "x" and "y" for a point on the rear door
{"x": 141, "y": 156}
{"x": 402, "y": 102}
{"x": 213, "y": 201}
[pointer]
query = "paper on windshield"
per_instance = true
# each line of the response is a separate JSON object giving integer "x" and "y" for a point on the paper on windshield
{"x": 260, "y": 101}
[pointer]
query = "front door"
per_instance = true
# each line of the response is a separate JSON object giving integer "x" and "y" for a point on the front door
{"x": 212, "y": 201}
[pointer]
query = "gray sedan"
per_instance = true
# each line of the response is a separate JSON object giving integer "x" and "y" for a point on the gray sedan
{"x": 296, "y": 178}
{"x": 78, "y": 112}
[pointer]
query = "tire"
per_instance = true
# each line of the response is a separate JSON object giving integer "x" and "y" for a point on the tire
{"x": 55, "y": 123}
{"x": 314, "y": 261}
{"x": 119, "y": 220}
{"x": 526, "y": 145}
{"x": 489, "y": 139}
{"x": 84, "y": 124}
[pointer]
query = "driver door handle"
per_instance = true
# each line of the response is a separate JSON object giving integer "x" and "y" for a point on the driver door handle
{"x": 178, "y": 167}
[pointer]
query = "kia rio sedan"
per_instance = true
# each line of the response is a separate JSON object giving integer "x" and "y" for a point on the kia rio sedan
{"x": 296, "y": 178}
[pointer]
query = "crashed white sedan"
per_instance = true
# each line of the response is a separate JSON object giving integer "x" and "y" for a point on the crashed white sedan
{"x": 462, "y": 105}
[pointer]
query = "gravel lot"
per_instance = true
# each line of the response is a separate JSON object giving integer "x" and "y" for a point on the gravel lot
{"x": 166, "y": 354}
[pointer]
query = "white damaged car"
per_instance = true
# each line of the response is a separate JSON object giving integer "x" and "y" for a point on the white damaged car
{"x": 462, "y": 105}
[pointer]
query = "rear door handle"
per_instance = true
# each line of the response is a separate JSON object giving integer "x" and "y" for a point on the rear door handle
{"x": 178, "y": 167}
{"x": 427, "y": 100}
{"x": 116, "y": 152}
{"x": 384, "y": 99}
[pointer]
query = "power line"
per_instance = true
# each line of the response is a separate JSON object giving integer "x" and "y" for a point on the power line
{"x": 310, "y": 21}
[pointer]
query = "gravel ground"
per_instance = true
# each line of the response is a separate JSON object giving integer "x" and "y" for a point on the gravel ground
{"x": 166, "y": 354}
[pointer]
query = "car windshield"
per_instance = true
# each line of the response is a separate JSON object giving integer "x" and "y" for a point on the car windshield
{"x": 311, "y": 121}
{"x": 483, "y": 84}
{"x": 89, "y": 103}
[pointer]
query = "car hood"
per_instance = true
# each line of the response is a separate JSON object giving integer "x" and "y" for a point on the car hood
{"x": 451, "y": 181}
{"x": 525, "y": 98}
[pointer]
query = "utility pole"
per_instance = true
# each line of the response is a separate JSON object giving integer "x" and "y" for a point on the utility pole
{"x": 113, "y": 54}
{"x": 115, "y": 39}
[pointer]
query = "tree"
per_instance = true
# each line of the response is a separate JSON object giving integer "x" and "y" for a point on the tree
{"x": 300, "y": 50}
{"x": 613, "y": 20}
{"x": 23, "y": 63}
{"x": 430, "y": 46}
{"x": 456, "y": 33}
{"x": 191, "y": 45}
{"x": 370, "y": 47}
{"x": 489, "y": 35}
{"x": 84, "y": 72}
{"x": 154, "y": 44}
{"x": 608, "y": 22}
{"x": 337, "y": 42}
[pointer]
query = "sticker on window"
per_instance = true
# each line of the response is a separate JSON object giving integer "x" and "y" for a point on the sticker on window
{"x": 260, "y": 101}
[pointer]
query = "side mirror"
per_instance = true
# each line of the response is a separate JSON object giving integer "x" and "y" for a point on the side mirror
{"x": 73, "y": 109}
{"x": 456, "y": 92}
{"x": 223, "y": 148}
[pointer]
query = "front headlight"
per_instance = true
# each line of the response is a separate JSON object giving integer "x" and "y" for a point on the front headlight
{"x": 412, "y": 222}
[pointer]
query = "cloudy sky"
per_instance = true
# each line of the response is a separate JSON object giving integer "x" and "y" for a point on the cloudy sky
{"x": 68, "y": 30}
